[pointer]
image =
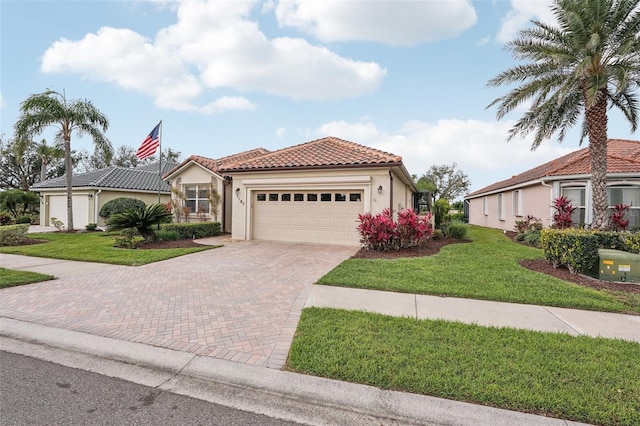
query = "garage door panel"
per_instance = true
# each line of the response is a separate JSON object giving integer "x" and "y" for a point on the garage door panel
{"x": 333, "y": 221}
{"x": 80, "y": 206}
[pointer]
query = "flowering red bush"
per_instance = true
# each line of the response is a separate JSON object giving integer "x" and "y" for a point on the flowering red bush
{"x": 381, "y": 232}
{"x": 564, "y": 210}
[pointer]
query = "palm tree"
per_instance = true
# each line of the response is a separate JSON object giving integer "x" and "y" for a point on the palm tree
{"x": 588, "y": 63}
{"x": 46, "y": 154}
{"x": 51, "y": 108}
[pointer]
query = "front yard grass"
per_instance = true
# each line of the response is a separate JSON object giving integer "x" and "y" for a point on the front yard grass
{"x": 94, "y": 247}
{"x": 593, "y": 380}
{"x": 10, "y": 277}
{"x": 487, "y": 268}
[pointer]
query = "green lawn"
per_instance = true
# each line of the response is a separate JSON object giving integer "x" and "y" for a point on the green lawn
{"x": 94, "y": 247}
{"x": 593, "y": 380}
{"x": 10, "y": 277}
{"x": 485, "y": 269}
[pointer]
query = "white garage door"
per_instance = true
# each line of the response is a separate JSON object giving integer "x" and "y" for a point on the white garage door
{"x": 307, "y": 216}
{"x": 58, "y": 209}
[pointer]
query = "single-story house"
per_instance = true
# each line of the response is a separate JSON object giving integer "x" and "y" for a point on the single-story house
{"x": 532, "y": 192}
{"x": 93, "y": 189}
{"x": 310, "y": 192}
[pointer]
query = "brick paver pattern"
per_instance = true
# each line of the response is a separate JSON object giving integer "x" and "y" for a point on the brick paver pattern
{"x": 240, "y": 302}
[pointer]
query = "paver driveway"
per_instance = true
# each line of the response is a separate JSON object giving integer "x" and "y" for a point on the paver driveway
{"x": 240, "y": 302}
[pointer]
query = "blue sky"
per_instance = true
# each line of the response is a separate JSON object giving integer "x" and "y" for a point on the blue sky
{"x": 227, "y": 76}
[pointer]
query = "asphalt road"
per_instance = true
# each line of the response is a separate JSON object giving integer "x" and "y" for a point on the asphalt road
{"x": 34, "y": 392}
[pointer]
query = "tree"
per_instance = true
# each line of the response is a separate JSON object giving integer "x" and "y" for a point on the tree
{"x": 444, "y": 181}
{"x": 587, "y": 63}
{"x": 47, "y": 154}
{"x": 51, "y": 108}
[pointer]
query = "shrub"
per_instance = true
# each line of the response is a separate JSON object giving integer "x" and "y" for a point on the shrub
{"x": 5, "y": 218}
{"x": 457, "y": 230}
{"x": 532, "y": 238}
{"x": 186, "y": 231}
{"x": 119, "y": 205}
{"x": 13, "y": 234}
{"x": 441, "y": 207}
{"x": 57, "y": 223}
{"x": 381, "y": 232}
{"x": 437, "y": 234}
{"x": 91, "y": 226}
{"x": 164, "y": 235}
{"x": 610, "y": 240}
{"x": 141, "y": 218}
{"x": 632, "y": 243}
{"x": 562, "y": 218}
{"x": 618, "y": 221}
{"x": 575, "y": 249}
{"x": 23, "y": 219}
{"x": 529, "y": 223}
{"x": 127, "y": 239}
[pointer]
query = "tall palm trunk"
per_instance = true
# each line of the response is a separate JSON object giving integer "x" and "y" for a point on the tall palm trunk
{"x": 68, "y": 171}
{"x": 596, "y": 117}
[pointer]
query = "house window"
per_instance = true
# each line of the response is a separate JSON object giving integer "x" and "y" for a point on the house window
{"x": 485, "y": 205}
{"x": 355, "y": 197}
{"x": 273, "y": 197}
{"x": 298, "y": 197}
{"x": 341, "y": 197}
{"x": 261, "y": 197}
{"x": 577, "y": 196}
{"x": 517, "y": 203}
{"x": 312, "y": 197}
{"x": 629, "y": 195}
{"x": 197, "y": 198}
{"x": 500, "y": 208}
{"x": 325, "y": 197}
{"x": 285, "y": 197}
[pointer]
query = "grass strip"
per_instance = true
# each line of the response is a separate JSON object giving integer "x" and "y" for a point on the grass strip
{"x": 593, "y": 380}
{"x": 10, "y": 277}
{"x": 94, "y": 247}
{"x": 485, "y": 269}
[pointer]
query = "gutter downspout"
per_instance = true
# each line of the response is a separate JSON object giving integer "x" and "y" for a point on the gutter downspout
{"x": 95, "y": 206}
{"x": 390, "y": 192}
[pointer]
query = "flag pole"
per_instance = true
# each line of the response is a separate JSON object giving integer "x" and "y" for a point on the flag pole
{"x": 160, "y": 161}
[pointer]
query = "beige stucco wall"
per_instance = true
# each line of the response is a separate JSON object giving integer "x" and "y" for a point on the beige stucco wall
{"x": 95, "y": 199}
{"x": 535, "y": 201}
{"x": 194, "y": 174}
{"x": 367, "y": 179}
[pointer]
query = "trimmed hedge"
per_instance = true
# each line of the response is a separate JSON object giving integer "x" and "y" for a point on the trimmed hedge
{"x": 12, "y": 234}
{"x": 187, "y": 231}
{"x": 575, "y": 249}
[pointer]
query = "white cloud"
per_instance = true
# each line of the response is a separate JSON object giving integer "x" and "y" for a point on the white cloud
{"x": 1, "y": 101}
{"x": 478, "y": 147}
{"x": 397, "y": 23}
{"x": 212, "y": 45}
{"x": 281, "y": 131}
{"x": 521, "y": 14}
{"x": 227, "y": 103}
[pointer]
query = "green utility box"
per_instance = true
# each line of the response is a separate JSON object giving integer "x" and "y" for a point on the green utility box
{"x": 616, "y": 265}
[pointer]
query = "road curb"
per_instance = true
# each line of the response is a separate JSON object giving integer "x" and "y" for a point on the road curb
{"x": 276, "y": 393}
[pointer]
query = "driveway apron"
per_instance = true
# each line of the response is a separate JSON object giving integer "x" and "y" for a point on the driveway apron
{"x": 240, "y": 302}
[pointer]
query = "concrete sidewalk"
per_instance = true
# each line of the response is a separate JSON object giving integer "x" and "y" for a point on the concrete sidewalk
{"x": 482, "y": 312}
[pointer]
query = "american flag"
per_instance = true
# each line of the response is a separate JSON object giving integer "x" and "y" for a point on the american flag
{"x": 150, "y": 144}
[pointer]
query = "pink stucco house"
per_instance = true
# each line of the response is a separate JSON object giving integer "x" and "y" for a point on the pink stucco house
{"x": 503, "y": 203}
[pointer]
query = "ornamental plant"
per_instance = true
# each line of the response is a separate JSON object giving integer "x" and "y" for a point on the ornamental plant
{"x": 618, "y": 221}
{"x": 562, "y": 218}
{"x": 381, "y": 232}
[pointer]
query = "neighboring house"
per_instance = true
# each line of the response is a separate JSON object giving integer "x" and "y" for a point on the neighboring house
{"x": 310, "y": 192}
{"x": 531, "y": 193}
{"x": 93, "y": 189}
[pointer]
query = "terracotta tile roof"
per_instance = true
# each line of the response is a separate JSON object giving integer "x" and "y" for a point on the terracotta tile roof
{"x": 215, "y": 164}
{"x": 623, "y": 156}
{"x": 327, "y": 152}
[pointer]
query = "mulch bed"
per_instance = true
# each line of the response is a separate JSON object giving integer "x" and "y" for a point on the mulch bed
{"x": 432, "y": 247}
